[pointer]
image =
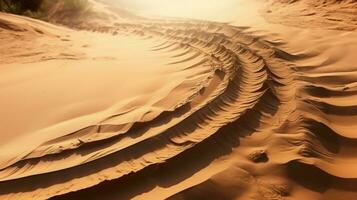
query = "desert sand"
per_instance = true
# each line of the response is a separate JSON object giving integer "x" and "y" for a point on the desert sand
{"x": 248, "y": 100}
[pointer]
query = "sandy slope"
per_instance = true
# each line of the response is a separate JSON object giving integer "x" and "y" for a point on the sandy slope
{"x": 178, "y": 109}
{"x": 331, "y": 14}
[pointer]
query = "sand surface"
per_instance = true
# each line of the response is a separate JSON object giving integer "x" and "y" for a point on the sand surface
{"x": 244, "y": 100}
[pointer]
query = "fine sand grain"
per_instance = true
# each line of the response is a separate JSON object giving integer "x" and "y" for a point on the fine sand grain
{"x": 248, "y": 106}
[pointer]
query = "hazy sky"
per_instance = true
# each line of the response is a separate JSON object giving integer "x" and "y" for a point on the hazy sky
{"x": 179, "y": 8}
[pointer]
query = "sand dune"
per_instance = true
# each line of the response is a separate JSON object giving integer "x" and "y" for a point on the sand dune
{"x": 331, "y": 14}
{"x": 143, "y": 108}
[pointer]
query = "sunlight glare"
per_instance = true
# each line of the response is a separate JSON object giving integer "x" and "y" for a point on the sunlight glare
{"x": 181, "y": 8}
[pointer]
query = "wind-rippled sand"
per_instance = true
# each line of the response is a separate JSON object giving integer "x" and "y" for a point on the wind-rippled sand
{"x": 179, "y": 109}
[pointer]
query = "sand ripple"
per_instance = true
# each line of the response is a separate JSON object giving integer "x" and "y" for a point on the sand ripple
{"x": 260, "y": 124}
